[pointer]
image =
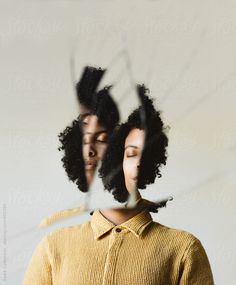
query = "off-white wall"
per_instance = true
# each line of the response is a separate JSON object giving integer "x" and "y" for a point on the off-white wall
{"x": 184, "y": 50}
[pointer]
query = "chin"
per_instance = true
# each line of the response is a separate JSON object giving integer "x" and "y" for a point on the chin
{"x": 89, "y": 177}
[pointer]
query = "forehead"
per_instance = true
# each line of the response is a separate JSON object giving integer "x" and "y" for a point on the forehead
{"x": 91, "y": 123}
{"x": 136, "y": 137}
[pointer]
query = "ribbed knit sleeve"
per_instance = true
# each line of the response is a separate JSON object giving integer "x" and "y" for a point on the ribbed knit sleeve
{"x": 196, "y": 268}
{"x": 39, "y": 268}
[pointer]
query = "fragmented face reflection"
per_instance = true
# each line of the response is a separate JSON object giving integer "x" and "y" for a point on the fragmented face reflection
{"x": 132, "y": 155}
{"x": 94, "y": 143}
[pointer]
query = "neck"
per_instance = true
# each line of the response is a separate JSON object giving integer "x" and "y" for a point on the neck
{"x": 120, "y": 215}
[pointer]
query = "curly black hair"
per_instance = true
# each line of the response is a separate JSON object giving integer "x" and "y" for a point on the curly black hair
{"x": 154, "y": 154}
{"x": 99, "y": 103}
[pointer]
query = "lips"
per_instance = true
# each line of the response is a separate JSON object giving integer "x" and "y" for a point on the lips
{"x": 90, "y": 164}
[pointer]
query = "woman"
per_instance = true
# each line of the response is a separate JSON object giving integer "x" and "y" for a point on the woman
{"x": 160, "y": 255}
{"x": 123, "y": 246}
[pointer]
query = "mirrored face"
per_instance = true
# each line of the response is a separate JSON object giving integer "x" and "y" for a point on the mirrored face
{"x": 132, "y": 155}
{"x": 95, "y": 138}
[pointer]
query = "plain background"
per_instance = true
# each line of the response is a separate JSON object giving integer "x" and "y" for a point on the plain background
{"x": 184, "y": 50}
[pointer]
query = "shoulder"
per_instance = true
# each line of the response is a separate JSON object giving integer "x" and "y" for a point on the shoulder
{"x": 174, "y": 237}
{"x": 180, "y": 244}
{"x": 170, "y": 233}
{"x": 68, "y": 234}
{"x": 188, "y": 249}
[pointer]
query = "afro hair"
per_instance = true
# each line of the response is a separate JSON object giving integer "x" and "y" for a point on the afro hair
{"x": 154, "y": 154}
{"x": 97, "y": 102}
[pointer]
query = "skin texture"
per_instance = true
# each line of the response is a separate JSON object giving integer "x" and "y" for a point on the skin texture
{"x": 94, "y": 144}
{"x": 132, "y": 155}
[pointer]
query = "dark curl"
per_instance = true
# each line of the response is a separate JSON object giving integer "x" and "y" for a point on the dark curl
{"x": 154, "y": 154}
{"x": 73, "y": 162}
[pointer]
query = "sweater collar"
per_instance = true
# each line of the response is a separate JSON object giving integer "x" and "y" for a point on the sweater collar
{"x": 136, "y": 224}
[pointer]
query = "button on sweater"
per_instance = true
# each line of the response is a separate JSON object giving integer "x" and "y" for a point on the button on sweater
{"x": 138, "y": 251}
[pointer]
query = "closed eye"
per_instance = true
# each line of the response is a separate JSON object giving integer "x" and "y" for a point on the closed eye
{"x": 101, "y": 141}
{"x": 131, "y": 154}
{"x": 102, "y": 138}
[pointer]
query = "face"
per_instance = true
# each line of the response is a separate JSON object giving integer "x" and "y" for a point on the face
{"x": 133, "y": 151}
{"x": 94, "y": 144}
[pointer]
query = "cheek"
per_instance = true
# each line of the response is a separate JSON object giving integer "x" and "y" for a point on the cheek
{"x": 83, "y": 150}
{"x": 128, "y": 166}
{"x": 101, "y": 150}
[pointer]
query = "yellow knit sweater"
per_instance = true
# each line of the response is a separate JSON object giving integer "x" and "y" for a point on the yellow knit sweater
{"x": 138, "y": 251}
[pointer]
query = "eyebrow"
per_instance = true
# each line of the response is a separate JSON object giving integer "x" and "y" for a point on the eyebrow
{"x": 133, "y": 146}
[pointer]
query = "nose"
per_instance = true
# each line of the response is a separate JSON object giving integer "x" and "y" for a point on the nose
{"x": 91, "y": 151}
